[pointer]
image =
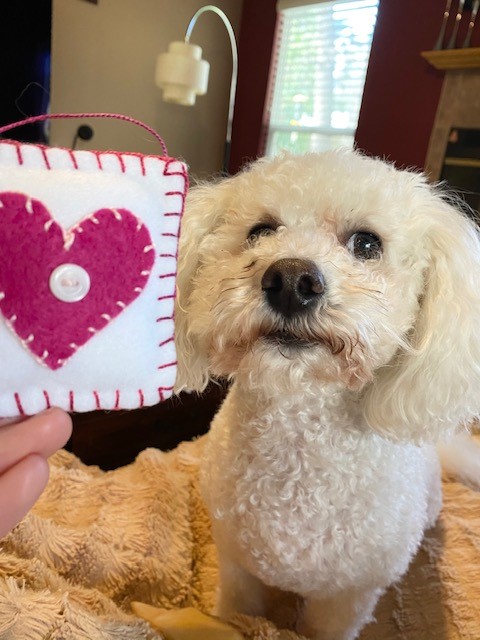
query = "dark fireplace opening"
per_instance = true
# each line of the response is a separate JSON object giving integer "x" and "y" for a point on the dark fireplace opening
{"x": 461, "y": 166}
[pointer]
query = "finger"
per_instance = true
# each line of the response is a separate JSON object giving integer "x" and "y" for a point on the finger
{"x": 4, "y": 421}
{"x": 42, "y": 434}
{"x": 20, "y": 488}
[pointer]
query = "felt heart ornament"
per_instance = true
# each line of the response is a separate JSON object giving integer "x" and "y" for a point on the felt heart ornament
{"x": 88, "y": 267}
{"x": 59, "y": 288}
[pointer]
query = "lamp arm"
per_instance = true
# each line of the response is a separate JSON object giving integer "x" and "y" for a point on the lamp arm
{"x": 233, "y": 84}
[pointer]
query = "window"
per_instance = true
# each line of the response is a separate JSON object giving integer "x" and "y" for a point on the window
{"x": 318, "y": 74}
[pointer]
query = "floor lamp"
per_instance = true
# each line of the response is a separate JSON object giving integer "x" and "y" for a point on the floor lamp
{"x": 182, "y": 74}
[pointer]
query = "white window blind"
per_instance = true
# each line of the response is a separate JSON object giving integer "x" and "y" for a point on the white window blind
{"x": 319, "y": 72}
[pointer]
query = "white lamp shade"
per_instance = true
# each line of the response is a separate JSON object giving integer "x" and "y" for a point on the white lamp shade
{"x": 181, "y": 73}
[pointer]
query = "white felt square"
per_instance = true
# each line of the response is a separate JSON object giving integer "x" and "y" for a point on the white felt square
{"x": 129, "y": 361}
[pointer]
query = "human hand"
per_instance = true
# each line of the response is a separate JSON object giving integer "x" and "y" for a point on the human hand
{"x": 25, "y": 445}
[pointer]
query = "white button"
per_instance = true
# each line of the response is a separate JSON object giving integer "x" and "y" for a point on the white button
{"x": 69, "y": 282}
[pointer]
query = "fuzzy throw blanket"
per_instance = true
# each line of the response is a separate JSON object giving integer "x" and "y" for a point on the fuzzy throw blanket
{"x": 96, "y": 541}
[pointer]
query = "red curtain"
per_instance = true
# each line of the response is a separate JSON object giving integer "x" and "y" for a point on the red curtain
{"x": 255, "y": 46}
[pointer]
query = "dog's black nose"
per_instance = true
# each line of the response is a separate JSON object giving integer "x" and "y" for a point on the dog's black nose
{"x": 293, "y": 286}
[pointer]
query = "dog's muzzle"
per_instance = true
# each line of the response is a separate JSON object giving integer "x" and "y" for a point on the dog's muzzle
{"x": 292, "y": 286}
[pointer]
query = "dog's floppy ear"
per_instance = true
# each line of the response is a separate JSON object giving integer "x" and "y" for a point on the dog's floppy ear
{"x": 426, "y": 394}
{"x": 204, "y": 207}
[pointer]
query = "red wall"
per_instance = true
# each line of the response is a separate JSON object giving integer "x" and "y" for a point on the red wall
{"x": 401, "y": 90}
{"x": 254, "y": 51}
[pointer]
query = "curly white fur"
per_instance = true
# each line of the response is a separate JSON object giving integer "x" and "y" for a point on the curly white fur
{"x": 320, "y": 471}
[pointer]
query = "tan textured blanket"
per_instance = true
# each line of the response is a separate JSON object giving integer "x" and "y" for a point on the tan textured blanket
{"x": 98, "y": 540}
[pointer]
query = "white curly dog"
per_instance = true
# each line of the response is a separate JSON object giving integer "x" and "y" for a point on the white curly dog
{"x": 342, "y": 298}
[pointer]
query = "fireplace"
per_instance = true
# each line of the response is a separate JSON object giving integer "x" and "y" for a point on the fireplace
{"x": 461, "y": 165}
{"x": 454, "y": 149}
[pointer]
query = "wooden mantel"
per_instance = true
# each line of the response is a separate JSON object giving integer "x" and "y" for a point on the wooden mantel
{"x": 454, "y": 58}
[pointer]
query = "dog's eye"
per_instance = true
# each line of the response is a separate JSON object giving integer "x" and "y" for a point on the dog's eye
{"x": 365, "y": 245}
{"x": 261, "y": 229}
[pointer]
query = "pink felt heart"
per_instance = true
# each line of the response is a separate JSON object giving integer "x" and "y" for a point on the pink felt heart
{"x": 112, "y": 246}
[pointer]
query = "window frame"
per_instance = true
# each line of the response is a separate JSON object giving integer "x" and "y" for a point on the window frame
{"x": 269, "y": 128}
